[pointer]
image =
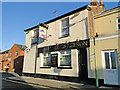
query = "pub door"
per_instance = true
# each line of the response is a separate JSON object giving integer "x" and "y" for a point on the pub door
{"x": 82, "y": 61}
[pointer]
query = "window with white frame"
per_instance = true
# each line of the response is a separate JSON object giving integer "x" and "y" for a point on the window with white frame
{"x": 110, "y": 58}
{"x": 34, "y": 36}
{"x": 65, "y": 27}
{"x": 46, "y": 59}
{"x": 65, "y": 58}
{"x": 118, "y": 20}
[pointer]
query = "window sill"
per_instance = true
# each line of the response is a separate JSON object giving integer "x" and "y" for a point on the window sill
{"x": 45, "y": 67}
{"x": 64, "y": 67}
{"x": 64, "y": 36}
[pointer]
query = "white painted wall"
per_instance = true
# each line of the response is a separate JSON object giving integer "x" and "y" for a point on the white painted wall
{"x": 78, "y": 30}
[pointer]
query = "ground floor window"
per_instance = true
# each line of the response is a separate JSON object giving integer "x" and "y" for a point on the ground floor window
{"x": 56, "y": 59}
{"x": 65, "y": 58}
{"x": 110, "y": 58}
{"x": 46, "y": 59}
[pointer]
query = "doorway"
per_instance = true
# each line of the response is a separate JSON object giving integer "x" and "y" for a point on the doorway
{"x": 110, "y": 64}
{"x": 54, "y": 60}
{"x": 82, "y": 63}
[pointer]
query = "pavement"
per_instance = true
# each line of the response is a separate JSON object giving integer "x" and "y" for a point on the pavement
{"x": 56, "y": 83}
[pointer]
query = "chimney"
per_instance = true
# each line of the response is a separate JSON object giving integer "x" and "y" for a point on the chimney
{"x": 101, "y": 2}
{"x": 94, "y": 3}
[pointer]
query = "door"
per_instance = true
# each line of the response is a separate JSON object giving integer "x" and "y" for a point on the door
{"x": 54, "y": 60}
{"x": 110, "y": 62}
{"x": 82, "y": 60}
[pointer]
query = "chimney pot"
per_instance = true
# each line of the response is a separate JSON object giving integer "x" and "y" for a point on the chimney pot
{"x": 101, "y": 2}
{"x": 94, "y": 3}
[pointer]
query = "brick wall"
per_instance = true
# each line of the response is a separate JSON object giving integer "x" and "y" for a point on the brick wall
{"x": 95, "y": 10}
{"x": 0, "y": 60}
{"x": 9, "y": 63}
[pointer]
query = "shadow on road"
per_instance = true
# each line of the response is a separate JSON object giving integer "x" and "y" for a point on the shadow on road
{"x": 17, "y": 83}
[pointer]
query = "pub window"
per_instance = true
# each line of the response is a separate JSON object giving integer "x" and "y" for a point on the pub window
{"x": 65, "y": 27}
{"x": 46, "y": 59}
{"x": 65, "y": 58}
{"x": 118, "y": 20}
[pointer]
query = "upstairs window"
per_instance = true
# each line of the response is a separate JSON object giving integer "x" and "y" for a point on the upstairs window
{"x": 10, "y": 54}
{"x": 65, "y": 27}
{"x": 118, "y": 23}
{"x": 6, "y": 54}
{"x": 16, "y": 53}
{"x": 34, "y": 36}
{"x": 3, "y": 55}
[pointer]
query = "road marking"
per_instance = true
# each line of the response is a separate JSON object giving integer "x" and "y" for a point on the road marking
{"x": 27, "y": 84}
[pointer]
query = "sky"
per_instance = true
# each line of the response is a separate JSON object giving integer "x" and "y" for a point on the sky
{"x": 18, "y": 16}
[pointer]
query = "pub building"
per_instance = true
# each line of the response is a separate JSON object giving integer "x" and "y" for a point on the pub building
{"x": 59, "y": 48}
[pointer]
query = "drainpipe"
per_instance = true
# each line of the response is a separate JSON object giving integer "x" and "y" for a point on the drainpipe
{"x": 96, "y": 72}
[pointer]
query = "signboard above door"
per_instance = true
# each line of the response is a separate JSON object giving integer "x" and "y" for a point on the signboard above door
{"x": 65, "y": 46}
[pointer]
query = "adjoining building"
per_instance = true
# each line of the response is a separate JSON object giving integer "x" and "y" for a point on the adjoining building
{"x": 0, "y": 60}
{"x": 13, "y": 59}
{"x": 4, "y": 60}
{"x": 60, "y": 48}
{"x": 107, "y": 42}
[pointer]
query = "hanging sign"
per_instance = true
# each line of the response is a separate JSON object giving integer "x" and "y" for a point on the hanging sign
{"x": 42, "y": 32}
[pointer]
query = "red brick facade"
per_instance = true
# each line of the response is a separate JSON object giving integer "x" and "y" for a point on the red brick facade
{"x": 4, "y": 60}
{"x": 14, "y": 61}
{"x": 0, "y": 60}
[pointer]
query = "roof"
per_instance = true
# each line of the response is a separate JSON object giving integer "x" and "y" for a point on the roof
{"x": 110, "y": 11}
{"x": 5, "y": 51}
{"x": 57, "y": 18}
{"x": 22, "y": 47}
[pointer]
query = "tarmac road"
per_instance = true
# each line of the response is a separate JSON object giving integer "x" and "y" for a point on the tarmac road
{"x": 10, "y": 85}
{"x": 14, "y": 85}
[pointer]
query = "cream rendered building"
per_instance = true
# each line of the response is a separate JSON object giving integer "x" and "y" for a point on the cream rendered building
{"x": 67, "y": 53}
{"x": 107, "y": 27}
{"x": 64, "y": 61}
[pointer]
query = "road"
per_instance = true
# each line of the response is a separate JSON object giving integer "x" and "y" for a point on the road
{"x": 7, "y": 84}
{"x": 15, "y": 85}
